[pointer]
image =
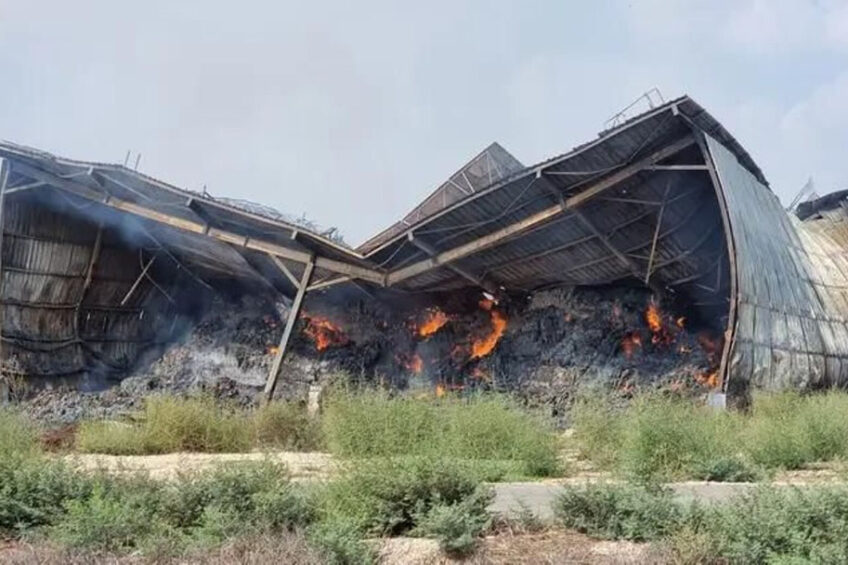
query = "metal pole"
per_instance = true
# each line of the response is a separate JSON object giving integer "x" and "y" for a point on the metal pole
{"x": 294, "y": 312}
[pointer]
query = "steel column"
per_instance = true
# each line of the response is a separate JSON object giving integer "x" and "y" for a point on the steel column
{"x": 294, "y": 312}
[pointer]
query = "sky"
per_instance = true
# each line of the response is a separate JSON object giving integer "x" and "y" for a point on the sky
{"x": 352, "y": 112}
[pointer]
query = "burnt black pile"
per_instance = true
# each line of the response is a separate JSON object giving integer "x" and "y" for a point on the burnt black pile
{"x": 542, "y": 348}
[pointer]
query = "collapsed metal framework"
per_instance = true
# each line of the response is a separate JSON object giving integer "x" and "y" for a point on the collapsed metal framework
{"x": 655, "y": 200}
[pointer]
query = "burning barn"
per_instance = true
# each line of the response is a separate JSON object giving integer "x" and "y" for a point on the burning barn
{"x": 655, "y": 253}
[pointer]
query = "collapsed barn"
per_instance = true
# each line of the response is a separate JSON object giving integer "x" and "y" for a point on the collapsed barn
{"x": 656, "y": 252}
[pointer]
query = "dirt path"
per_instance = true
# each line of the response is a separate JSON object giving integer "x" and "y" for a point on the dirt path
{"x": 302, "y": 466}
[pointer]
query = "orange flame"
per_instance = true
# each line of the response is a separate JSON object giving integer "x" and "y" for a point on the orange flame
{"x": 484, "y": 346}
{"x": 440, "y": 390}
{"x": 272, "y": 350}
{"x": 412, "y": 363}
{"x": 630, "y": 343}
{"x": 710, "y": 380}
{"x": 433, "y": 322}
{"x": 653, "y": 317}
{"x": 324, "y": 332}
{"x": 681, "y": 322}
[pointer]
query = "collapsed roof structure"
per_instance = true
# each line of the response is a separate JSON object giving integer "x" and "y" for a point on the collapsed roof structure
{"x": 102, "y": 264}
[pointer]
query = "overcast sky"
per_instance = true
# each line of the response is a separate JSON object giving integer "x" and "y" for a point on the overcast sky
{"x": 354, "y": 111}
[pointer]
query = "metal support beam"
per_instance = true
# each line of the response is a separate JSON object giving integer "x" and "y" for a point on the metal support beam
{"x": 656, "y": 234}
{"x": 83, "y": 191}
{"x": 328, "y": 283}
{"x": 294, "y": 312}
{"x": 429, "y": 250}
{"x": 89, "y": 276}
{"x": 622, "y": 258}
{"x": 285, "y": 270}
{"x": 678, "y": 168}
{"x": 512, "y": 230}
{"x": 137, "y": 282}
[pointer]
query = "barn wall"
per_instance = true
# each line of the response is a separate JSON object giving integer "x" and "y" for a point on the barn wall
{"x": 792, "y": 324}
{"x": 55, "y": 327}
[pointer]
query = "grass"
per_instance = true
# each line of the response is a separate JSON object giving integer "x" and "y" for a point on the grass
{"x": 658, "y": 437}
{"x": 767, "y": 525}
{"x": 502, "y": 437}
{"x": 170, "y": 424}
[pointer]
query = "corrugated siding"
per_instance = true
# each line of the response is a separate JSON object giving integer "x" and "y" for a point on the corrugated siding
{"x": 792, "y": 313}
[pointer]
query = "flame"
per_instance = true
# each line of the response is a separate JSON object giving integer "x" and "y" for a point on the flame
{"x": 440, "y": 390}
{"x": 630, "y": 343}
{"x": 272, "y": 350}
{"x": 710, "y": 379}
{"x": 484, "y": 346}
{"x": 412, "y": 363}
{"x": 433, "y": 321}
{"x": 681, "y": 322}
{"x": 324, "y": 332}
{"x": 653, "y": 317}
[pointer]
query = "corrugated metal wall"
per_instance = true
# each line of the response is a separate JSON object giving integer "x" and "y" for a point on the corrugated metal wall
{"x": 54, "y": 326}
{"x": 792, "y": 291}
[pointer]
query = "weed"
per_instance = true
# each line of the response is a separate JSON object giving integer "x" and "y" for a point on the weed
{"x": 286, "y": 425}
{"x": 340, "y": 542}
{"x": 725, "y": 469}
{"x": 116, "y": 438}
{"x": 33, "y": 491}
{"x": 479, "y": 428}
{"x": 458, "y": 525}
{"x": 17, "y": 434}
{"x": 170, "y": 424}
{"x": 637, "y": 513}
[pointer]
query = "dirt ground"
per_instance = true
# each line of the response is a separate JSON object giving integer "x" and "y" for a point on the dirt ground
{"x": 302, "y": 466}
{"x": 543, "y": 548}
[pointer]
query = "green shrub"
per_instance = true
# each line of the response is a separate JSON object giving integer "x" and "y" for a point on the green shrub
{"x": 34, "y": 490}
{"x": 637, "y": 513}
{"x": 775, "y": 434}
{"x": 109, "y": 520}
{"x": 170, "y": 424}
{"x": 194, "y": 424}
{"x": 479, "y": 428}
{"x": 458, "y": 525}
{"x": 782, "y": 523}
{"x": 17, "y": 434}
{"x": 657, "y": 437}
{"x": 340, "y": 542}
{"x": 287, "y": 425}
{"x": 666, "y": 438}
{"x": 598, "y": 429}
{"x": 115, "y": 438}
{"x": 725, "y": 469}
{"x": 766, "y": 525}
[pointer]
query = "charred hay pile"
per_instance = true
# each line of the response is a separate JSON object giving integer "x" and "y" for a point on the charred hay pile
{"x": 542, "y": 348}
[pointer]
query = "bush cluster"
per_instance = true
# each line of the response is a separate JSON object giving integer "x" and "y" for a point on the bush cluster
{"x": 107, "y": 514}
{"x": 504, "y": 437}
{"x": 767, "y": 525}
{"x": 659, "y": 437}
{"x": 169, "y": 424}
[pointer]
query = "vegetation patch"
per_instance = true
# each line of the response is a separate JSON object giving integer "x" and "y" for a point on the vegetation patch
{"x": 484, "y": 428}
{"x": 199, "y": 424}
{"x": 767, "y": 525}
{"x": 660, "y": 437}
